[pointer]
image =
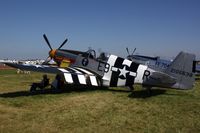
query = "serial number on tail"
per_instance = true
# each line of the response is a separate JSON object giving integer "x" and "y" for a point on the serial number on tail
{"x": 183, "y": 73}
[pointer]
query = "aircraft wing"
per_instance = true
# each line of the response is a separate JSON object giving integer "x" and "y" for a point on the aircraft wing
{"x": 36, "y": 68}
{"x": 72, "y": 75}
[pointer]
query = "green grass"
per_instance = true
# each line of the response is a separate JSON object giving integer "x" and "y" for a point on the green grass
{"x": 7, "y": 72}
{"x": 95, "y": 110}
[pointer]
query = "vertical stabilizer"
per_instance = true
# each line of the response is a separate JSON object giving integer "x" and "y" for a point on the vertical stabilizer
{"x": 182, "y": 70}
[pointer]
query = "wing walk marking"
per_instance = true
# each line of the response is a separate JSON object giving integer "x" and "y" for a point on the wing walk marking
{"x": 63, "y": 70}
{"x": 76, "y": 71}
{"x": 85, "y": 71}
{"x": 93, "y": 78}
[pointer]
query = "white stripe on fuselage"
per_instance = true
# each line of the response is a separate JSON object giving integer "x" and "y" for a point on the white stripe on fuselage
{"x": 107, "y": 76}
{"x": 140, "y": 74}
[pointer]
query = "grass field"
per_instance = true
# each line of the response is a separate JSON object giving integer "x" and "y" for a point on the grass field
{"x": 95, "y": 109}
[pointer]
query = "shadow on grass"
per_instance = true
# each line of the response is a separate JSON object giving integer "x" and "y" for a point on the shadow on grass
{"x": 146, "y": 94}
{"x": 40, "y": 92}
{"x": 198, "y": 78}
{"x": 15, "y": 94}
{"x": 69, "y": 89}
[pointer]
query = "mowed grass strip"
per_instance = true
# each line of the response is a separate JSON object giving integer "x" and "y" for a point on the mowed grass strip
{"x": 95, "y": 110}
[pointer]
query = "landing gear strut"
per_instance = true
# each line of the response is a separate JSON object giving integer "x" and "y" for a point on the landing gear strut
{"x": 148, "y": 90}
{"x": 131, "y": 88}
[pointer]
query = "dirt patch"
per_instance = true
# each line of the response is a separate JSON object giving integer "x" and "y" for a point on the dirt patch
{"x": 3, "y": 67}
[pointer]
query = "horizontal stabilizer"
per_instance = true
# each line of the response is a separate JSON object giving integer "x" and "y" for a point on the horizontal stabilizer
{"x": 163, "y": 78}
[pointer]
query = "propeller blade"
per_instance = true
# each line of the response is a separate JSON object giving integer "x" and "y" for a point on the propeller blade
{"x": 48, "y": 59}
{"x": 47, "y": 41}
{"x": 127, "y": 51}
{"x": 63, "y": 43}
{"x": 133, "y": 51}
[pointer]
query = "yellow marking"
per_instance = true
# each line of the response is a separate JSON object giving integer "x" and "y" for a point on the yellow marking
{"x": 65, "y": 63}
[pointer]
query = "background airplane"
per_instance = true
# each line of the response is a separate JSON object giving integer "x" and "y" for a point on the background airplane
{"x": 156, "y": 63}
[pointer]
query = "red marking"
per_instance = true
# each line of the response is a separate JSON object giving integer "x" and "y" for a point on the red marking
{"x": 4, "y": 67}
{"x": 60, "y": 59}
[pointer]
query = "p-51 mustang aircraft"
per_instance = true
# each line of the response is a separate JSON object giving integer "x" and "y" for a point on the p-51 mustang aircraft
{"x": 84, "y": 68}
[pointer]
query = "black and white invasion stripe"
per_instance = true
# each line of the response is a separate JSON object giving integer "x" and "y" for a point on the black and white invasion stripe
{"x": 79, "y": 76}
{"x": 122, "y": 72}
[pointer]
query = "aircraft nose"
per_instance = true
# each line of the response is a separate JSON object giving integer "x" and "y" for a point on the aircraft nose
{"x": 52, "y": 53}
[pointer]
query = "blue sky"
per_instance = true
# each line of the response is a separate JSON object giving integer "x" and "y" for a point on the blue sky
{"x": 154, "y": 27}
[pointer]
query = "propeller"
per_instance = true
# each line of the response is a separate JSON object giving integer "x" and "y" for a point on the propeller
{"x": 63, "y": 44}
{"x": 133, "y": 51}
{"x": 129, "y": 52}
{"x": 47, "y": 41}
{"x": 48, "y": 59}
{"x": 52, "y": 51}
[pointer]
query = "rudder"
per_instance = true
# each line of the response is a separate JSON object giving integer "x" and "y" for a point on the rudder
{"x": 182, "y": 70}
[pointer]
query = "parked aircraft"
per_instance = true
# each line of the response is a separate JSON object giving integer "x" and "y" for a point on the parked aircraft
{"x": 198, "y": 67}
{"x": 156, "y": 63}
{"x": 84, "y": 68}
{"x": 62, "y": 57}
